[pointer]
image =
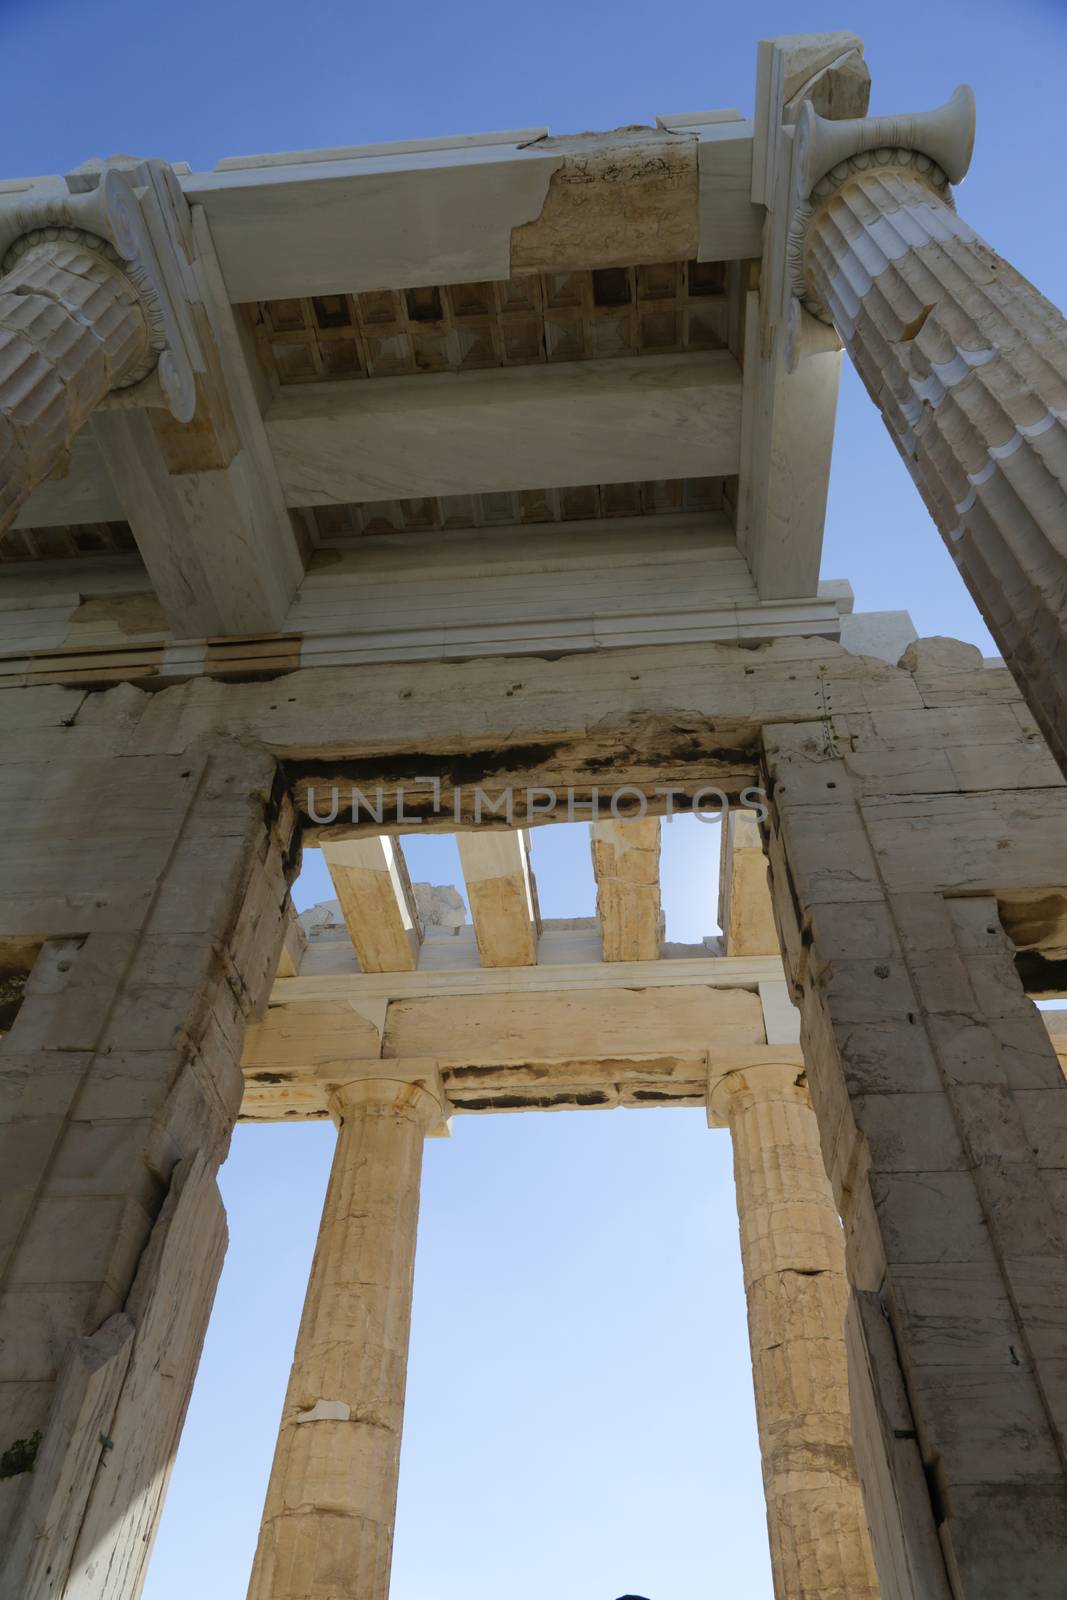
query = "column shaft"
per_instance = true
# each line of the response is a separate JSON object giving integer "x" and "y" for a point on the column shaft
{"x": 72, "y": 328}
{"x": 792, "y": 1252}
{"x": 967, "y": 363}
{"x": 327, "y": 1531}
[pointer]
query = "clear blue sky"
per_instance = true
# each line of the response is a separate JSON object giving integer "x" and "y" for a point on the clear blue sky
{"x": 580, "y": 1420}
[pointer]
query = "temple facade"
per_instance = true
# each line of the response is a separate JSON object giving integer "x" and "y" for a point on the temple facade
{"x": 478, "y": 484}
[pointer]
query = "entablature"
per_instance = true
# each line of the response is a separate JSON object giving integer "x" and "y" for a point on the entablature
{"x": 543, "y": 318}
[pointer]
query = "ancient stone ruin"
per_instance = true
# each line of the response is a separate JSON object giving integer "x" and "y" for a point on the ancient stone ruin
{"x": 479, "y": 484}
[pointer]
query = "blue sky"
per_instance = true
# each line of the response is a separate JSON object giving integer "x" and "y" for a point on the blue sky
{"x": 580, "y": 1419}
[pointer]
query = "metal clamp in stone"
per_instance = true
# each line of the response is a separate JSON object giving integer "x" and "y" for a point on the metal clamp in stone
{"x": 133, "y": 213}
{"x": 937, "y": 144}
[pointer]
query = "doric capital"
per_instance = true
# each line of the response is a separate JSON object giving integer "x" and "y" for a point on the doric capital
{"x": 761, "y": 1083}
{"x": 420, "y": 1097}
{"x": 133, "y": 216}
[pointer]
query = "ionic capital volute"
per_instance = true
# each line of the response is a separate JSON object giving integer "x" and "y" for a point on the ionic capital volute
{"x": 934, "y": 145}
{"x": 134, "y": 216}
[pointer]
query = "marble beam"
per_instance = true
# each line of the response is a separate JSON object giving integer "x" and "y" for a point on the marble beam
{"x": 613, "y": 420}
{"x": 626, "y": 865}
{"x": 377, "y": 901}
{"x": 503, "y": 896}
{"x": 745, "y": 911}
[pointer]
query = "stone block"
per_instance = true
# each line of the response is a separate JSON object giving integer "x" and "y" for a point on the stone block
{"x": 778, "y": 1239}
{"x": 864, "y": 1247}
{"x": 70, "y": 991}
{"x": 929, "y": 1216}
{"x": 954, "y": 1314}
{"x": 38, "y": 1321}
{"x": 913, "y": 1133}
{"x": 205, "y": 883}
{"x": 967, "y": 1050}
{"x": 924, "y": 923}
{"x": 40, "y": 1083}
{"x": 798, "y": 1303}
{"x": 943, "y": 985}
{"x": 109, "y": 1157}
{"x": 1024, "y": 764}
{"x": 893, "y": 1057}
{"x": 1027, "y": 1060}
{"x": 990, "y": 1126}
{"x": 92, "y": 1240}
{"x": 908, "y": 771}
{"x": 867, "y": 991}
{"x": 26, "y": 1147}
{"x": 1008, "y": 1537}
{"x": 96, "y": 961}
{"x": 152, "y": 1019}
{"x": 852, "y": 929}
{"x": 127, "y": 1083}
{"x": 884, "y": 634}
{"x": 939, "y": 728}
{"x": 181, "y": 961}
{"x": 938, "y": 654}
{"x": 1043, "y": 1115}
{"x": 202, "y": 1103}
{"x": 983, "y": 1423}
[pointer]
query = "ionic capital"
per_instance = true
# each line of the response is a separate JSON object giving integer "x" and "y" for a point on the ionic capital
{"x": 133, "y": 218}
{"x": 934, "y": 146}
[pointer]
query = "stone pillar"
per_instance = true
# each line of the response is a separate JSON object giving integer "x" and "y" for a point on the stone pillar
{"x": 72, "y": 328}
{"x": 327, "y": 1531}
{"x": 963, "y": 357}
{"x": 120, "y": 1081}
{"x": 941, "y": 1109}
{"x": 793, "y": 1255}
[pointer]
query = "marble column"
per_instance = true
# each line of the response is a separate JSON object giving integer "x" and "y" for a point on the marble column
{"x": 327, "y": 1531}
{"x": 965, "y": 360}
{"x": 792, "y": 1251}
{"x": 73, "y": 327}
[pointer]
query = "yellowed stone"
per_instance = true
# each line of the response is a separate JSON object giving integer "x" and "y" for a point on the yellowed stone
{"x": 793, "y": 1255}
{"x": 327, "y": 1531}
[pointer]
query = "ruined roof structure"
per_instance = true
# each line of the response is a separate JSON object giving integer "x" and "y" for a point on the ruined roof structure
{"x": 476, "y": 481}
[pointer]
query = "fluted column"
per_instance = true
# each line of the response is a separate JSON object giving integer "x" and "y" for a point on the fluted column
{"x": 327, "y": 1531}
{"x": 72, "y": 328}
{"x": 792, "y": 1251}
{"x": 967, "y": 363}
